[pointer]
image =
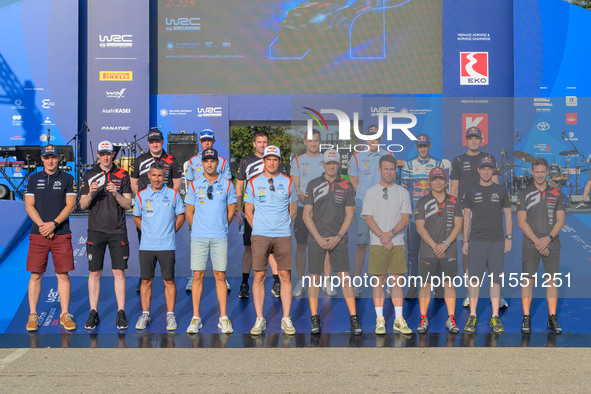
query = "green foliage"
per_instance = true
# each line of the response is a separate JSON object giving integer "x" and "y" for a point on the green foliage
{"x": 586, "y": 4}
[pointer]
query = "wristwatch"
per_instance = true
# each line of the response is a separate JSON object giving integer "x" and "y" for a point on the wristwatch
{"x": 340, "y": 236}
{"x": 55, "y": 223}
{"x": 509, "y": 236}
{"x": 446, "y": 243}
{"x": 393, "y": 231}
{"x": 551, "y": 237}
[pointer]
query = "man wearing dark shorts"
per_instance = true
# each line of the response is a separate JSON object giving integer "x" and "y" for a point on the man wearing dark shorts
{"x": 49, "y": 200}
{"x": 439, "y": 221}
{"x": 159, "y": 212}
{"x": 270, "y": 207}
{"x": 106, "y": 193}
{"x": 541, "y": 216}
{"x": 329, "y": 210}
{"x": 484, "y": 206}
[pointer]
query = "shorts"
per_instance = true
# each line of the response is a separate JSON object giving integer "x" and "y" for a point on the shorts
{"x": 339, "y": 257}
{"x": 362, "y": 229}
{"x": 60, "y": 247}
{"x": 148, "y": 259}
{"x": 530, "y": 261}
{"x": 300, "y": 229}
{"x": 487, "y": 256}
{"x": 433, "y": 266}
{"x": 247, "y": 233}
{"x": 263, "y": 246}
{"x": 96, "y": 244}
{"x": 381, "y": 261}
{"x": 201, "y": 248}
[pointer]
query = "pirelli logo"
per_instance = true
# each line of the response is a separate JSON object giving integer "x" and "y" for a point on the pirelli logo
{"x": 116, "y": 75}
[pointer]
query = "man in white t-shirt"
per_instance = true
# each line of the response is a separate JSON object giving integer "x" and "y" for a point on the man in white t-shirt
{"x": 387, "y": 210}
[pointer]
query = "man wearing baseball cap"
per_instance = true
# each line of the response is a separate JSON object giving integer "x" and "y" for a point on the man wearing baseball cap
{"x": 106, "y": 193}
{"x": 439, "y": 221}
{"x": 484, "y": 206}
{"x": 50, "y": 198}
{"x": 270, "y": 207}
{"x": 328, "y": 212}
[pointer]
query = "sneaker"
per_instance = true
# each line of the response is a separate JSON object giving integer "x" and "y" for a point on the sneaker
{"x": 315, "y": 325}
{"x": 553, "y": 324}
{"x": 276, "y": 289}
{"x": 466, "y": 302}
{"x": 287, "y": 326}
{"x": 503, "y": 304}
{"x": 260, "y": 325}
{"x": 225, "y": 325}
{"x": 526, "y": 324}
{"x": 139, "y": 285}
{"x": 423, "y": 325}
{"x": 401, "y": 326}
{"x": 93, "y": 320}
{"x": 388, "y": 290}
{"x": 143, "y": 321}
{"x": 228, "y": 287}
{"x": 328, "y": 289}
{"x": 195, "y": 325}
{"x": 244, "y": 291}
{"x": 380, "y": 326}
{"x": 170, "y": 322}
{"x": 297, "y": 289}
{"x": 355, "y": 327}
{"x": 121, "y": 320}
{"x": 357, "y": 291}
{"x": 495, "y": 323}
{"x": 33, "y": 322}
{"x": 451, "y": 325}
{"x": 471, "y": 325}
{"x": 189, "y": 286}
{"x": 67, "y": 322}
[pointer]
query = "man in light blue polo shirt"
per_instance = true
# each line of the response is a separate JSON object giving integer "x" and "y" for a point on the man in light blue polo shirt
{"x": 195, "y": 165}
{"x": 363, "y": 174}
{"x": 211, "y": 206}
{"x": 270, "y": 207}
{"x": 159, "y": 213}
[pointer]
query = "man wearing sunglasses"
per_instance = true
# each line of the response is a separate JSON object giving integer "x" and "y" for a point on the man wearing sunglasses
{"x": 210, "y": 208}
{"x": 439, "y": 221}
{"x": 271, "y": 204}
{"x": 387, "y": 210}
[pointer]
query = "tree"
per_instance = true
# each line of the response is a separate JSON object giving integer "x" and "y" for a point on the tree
{"x": 586, "y": 4}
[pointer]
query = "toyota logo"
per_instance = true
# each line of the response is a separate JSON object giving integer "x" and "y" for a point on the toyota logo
{"x": 543, "y": 126}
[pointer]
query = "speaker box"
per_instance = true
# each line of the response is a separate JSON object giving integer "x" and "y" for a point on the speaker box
{"x": 183, "y": 152}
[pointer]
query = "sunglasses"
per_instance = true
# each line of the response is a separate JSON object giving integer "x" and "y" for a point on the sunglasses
{"x": 271, "y": 185}
{"x": 385, "y": 195}
{"x": 210, "y": 192}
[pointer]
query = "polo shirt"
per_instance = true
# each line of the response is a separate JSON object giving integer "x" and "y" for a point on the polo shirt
{"x": 541, "y": 207}
{"x": 386, "y": 212}
{"x": 142, "y": 164}
{"x": 439, "y": 224}
{"x": 364, "y": 165}
{"x": 195, "y": 168}
{"x": 306, "y": 168}
{"x": 487, "y": 203}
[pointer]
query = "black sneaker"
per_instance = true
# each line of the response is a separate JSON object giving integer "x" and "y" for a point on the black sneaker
{"x": 121, "y": 321}
{"x": 553, "y": 324}
{"x": 526, "y": 324}
{"x": 276, "y": 289}
{"x": 315, "y": 325}
{"x": 93, "y": 320}
{"x": 355, "y": 327}
{"x": 244, "y": 291}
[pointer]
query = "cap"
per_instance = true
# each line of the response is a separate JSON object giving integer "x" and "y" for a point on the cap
{"x": 372, "y": 129}
{"x": 209, "y": 154}
{"x": 423, "y": 139}
{"x": 437, "y": 172}
{"x": 272, "y": 150}
{"x": 155, "y": 135}
{"x": 331, "y": 156}
{"x": 105, "y": 146}
{"x": 473, "y": 132}
{"x": 486, "y": 160}
{"x": 50, "y": 150}
{"x": 206, "y": 134}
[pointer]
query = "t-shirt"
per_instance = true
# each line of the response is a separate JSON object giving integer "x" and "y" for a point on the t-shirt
{"x": 364, "y": 165}
{"x": 50, "y": 193}
{"x": 487, "y": 203}
{"x": 439, "y": 222}
{"x": 142, "y": 164}
{"x": 328, "y": 200}
{"x": 195, "y": 168}
{"x": 211, "y": 215}
{"x": 106, "y": 215}
{"x": 306, "y": 168}
{"x": 386, "y": 211}
{"x": 271, "y": 208}
{"x": 541, "y": 210}
{"x": 465, "y": 169}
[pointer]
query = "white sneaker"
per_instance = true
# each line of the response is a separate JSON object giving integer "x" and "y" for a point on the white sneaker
{"x": 143, "y": 321}
{"x": 297, "y": 289}
{"x": 328, "y": 289}
{"x": 170, "y": 322}
{"x": 189, "y": 285}
{"x": 228, "y": 286}
{"x": 357, "y": 291}
{"x": 195, "y": 325}
{"x": 225, "y": 325}
{"x": 260, "y": 325}
{"x": 287, "y": 326}
{"x": 466, "y": 302}
{"x": 503, "y": 304}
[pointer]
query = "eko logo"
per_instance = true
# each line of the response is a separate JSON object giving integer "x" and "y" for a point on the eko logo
{"x": 473, "y": 68}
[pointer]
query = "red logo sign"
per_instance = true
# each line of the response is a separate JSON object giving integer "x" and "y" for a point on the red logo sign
{"x": 475, "y": 120}
{"x": 571, "y": 118}
{"x": 473, "y": 68}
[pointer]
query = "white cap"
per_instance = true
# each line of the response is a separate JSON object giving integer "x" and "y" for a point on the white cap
{"x": 331, "y": 155}
{"x": 272, "y": 150}
{"x": 105, "y": 146}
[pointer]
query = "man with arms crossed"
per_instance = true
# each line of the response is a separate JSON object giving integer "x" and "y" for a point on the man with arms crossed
{"x": 439, "y": 221}
{"x": 159, "y": 213}
{"x": 106, "y": 193}
{"x": 211, "y": 205}
{"x": 484, "y": 206}
{"x": 540, "y": 215}
{"x": 328, "y": 213}
{"x": 387, "y": 210}
{"x": 270, "y": 207}
{"x": 49, "y": 200}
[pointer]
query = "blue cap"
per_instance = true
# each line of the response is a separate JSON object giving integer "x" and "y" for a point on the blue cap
{"x": 473, "y": 132}
{"x": 423, "y": 139}
{"x": 209, "y": 154}
{"x": 50, "y": 150}
{"x": 206, "y": 134}
{"x": 486, "y": 160}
